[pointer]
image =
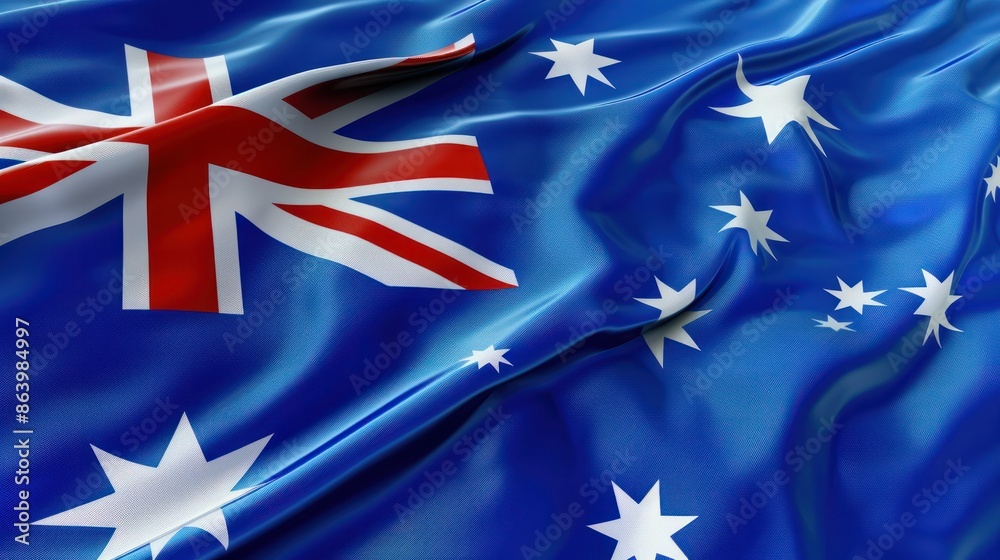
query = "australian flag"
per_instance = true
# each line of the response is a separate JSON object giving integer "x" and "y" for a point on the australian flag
{"x": 499, "y": 279}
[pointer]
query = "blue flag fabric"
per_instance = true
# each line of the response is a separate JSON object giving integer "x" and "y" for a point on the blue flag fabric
{"x": 650, "y": 279}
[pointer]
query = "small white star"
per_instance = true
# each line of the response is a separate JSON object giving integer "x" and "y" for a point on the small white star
{"x": 777, "y": 105}
{"x": 993, "y": 181}
{"x": 669, "y": 304}
{"x": 641, "y": 531}
{"x": 152, "y": 504}
{"x": 754, "y": 222}
{"x": 937, "y": 299}
{"x": 833, "y": 324}
{"x": 491, "y": 356}
{"x": 578, "y": 62}
{"x": 855, "y": 296}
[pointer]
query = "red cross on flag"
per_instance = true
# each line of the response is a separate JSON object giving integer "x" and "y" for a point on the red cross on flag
{"x": 192, "y": 156}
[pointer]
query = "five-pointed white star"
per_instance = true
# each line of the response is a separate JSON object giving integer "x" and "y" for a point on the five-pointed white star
{"x": 754, "y": 222}
{"x": 490, "y": 356}
{"x": 937, "y": 299}
{"x": 777, "y": 105}
{"x": 993, "y": 181}
{"x": 640, "y": 530}
{"x": 670, "y": 303}
{"x": 152, "y": 504}
{"x": 578, "y": 62}
{"x": 833, "y": 324}
{"x": 855, "y": 296}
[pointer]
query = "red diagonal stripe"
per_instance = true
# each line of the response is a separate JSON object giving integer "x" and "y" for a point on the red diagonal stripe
{"x": 23, "y": 180}
{"x": 16, "y": 132}
{"x": 320, "y": 99}
{"x": 398, "y": 244}
{"x": 451, "y": 52}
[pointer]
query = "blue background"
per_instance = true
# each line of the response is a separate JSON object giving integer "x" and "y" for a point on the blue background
{"x": 710, "y": 426}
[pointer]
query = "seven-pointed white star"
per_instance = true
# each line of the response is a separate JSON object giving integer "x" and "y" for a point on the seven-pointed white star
{"x": 777, "y": 105}
{"x": 640, "y": 530}
{"x": 993, "y": 181}
{"x": 490, "y": 356}
{"x": 833, "y": 324}
{"x": 755, "y": 222}
{"x": 578, "y": 62}
{"x": 670, "y": 303}
{"x": 937, "y": 299}
{"x": 152, "y": 504}
{"x": 855, "y": 296}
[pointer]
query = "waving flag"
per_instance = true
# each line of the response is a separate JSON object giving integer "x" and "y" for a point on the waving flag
{"x": 500, "y": 279}
{"x": 178, "y": 257}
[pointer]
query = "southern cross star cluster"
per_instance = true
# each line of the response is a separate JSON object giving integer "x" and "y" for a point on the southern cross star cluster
{"x": 641, "y": 532}
{"x": 936, "y": 294}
